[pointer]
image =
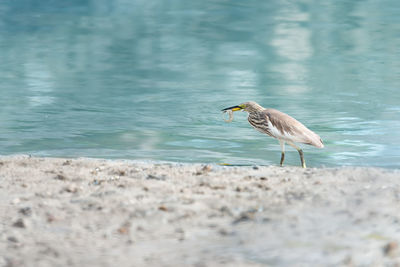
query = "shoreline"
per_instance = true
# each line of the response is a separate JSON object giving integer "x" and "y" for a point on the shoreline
{"x": 97, "y": 212}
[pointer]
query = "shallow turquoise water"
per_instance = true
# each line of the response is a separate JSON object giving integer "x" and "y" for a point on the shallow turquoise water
{"x": 146, "y": 80}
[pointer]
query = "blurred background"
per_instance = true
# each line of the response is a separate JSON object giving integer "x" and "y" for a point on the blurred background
{"x": 146, "y": 80}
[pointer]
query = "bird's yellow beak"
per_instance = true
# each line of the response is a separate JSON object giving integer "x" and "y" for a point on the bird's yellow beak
{"x": 234, "y": 108}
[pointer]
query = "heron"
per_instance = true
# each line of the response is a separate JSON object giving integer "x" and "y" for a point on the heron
{"x": 279, "y": 125}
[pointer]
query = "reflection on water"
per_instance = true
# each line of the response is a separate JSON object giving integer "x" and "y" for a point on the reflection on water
{"x": 147, "y": 80}
{"x": 292, "y": 43}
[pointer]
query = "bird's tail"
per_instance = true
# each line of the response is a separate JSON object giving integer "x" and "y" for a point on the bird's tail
{"x": 314, "y": 139}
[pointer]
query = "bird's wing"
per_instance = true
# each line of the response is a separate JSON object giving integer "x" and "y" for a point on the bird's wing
{"x": 288, "y": 128}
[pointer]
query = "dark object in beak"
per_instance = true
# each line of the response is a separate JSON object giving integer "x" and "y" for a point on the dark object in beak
{"x": 234, "y": 108}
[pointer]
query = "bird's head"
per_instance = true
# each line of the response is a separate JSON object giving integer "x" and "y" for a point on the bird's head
{"x": 246, "y": 106}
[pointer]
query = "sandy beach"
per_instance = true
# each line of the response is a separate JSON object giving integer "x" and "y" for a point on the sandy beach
{"x": 92, "y": 212}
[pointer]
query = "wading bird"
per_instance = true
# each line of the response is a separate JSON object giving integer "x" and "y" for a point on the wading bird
{"x": 280, "y": 126}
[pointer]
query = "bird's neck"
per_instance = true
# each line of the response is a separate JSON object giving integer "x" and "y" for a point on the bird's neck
{"x": 257, "y": 108}
{"x": 255, "y": 114}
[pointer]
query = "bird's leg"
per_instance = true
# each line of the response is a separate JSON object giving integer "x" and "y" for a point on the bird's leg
{"x": 303, "y": 162}
{"x": 282, "y": 158}
{"x": 282, "y": 143}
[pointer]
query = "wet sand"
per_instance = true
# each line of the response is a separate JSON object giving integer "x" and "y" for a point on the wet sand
{"x": 90, "y": 212}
